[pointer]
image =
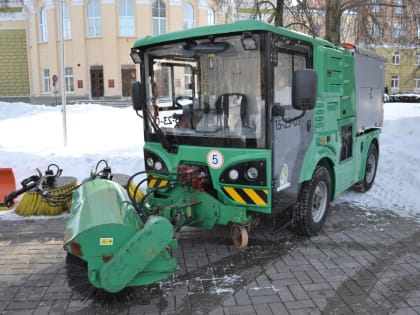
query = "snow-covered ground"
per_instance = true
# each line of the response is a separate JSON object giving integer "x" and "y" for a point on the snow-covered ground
{"x": 397, "y": 183}
{"x": 31, "y": 136}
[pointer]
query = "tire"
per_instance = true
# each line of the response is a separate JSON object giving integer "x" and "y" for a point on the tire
{"x": 312, "y": 207}
{"x": 370, "y": 169}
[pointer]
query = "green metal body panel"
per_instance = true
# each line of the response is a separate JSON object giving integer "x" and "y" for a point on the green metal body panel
{"x": 105, "y": 230}
{"x": 136, "y": 254}
{"x": 238, "y": 27}
{"x": 336, "y": 107}
{"x": 207, "y": 210}
{"x": 99, "y": 203}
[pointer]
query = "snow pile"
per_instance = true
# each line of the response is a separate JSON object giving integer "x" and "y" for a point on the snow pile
{"x": 397, "y": 181}
{"x": 31, "y": 136}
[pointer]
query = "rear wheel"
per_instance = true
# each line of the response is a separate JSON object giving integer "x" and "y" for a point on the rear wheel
{"x": 311, "y": 209}
{"x": 370, "y": 169}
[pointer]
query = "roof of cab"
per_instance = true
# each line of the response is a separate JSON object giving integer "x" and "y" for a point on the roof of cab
{"x": 237, "y": 27}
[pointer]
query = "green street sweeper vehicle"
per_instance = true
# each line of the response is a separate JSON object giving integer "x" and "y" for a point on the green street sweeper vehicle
{"x": 241, "y": 121}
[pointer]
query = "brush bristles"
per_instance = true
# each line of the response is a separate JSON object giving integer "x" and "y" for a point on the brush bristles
{"x": 32, "y": 202}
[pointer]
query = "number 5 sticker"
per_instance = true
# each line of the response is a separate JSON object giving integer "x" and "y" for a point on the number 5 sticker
{"x": 215, "y": 159}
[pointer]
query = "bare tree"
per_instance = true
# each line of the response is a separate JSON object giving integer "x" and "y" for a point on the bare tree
{"x": 311, "y": 16}
{"x": 273, "y": 9}
{"x": 362, "y": 15}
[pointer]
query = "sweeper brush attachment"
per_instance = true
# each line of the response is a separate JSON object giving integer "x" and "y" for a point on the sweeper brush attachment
{"x": 48, "y": 194}
{"x": 105, "y": 230}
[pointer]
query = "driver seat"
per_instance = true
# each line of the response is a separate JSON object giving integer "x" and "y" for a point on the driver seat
{"x": 234, "y": 104}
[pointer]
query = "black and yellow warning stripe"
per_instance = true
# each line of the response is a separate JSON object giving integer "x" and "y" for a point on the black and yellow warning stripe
{"x": 156, "y": 182}
{"x": 247, "y": 195}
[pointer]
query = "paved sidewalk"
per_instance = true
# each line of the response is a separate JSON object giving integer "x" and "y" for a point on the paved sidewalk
{"x": 362, "y": 262}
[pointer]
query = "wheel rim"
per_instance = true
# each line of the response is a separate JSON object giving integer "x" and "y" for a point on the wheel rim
{"x": 370, "y": 168}
{"x": 319, "y": 201}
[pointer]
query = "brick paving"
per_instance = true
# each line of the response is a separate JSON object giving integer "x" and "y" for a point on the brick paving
{"x": 361, "y": 263}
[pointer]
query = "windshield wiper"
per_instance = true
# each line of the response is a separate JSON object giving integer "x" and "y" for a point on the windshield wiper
{"x": 162, "y": 138}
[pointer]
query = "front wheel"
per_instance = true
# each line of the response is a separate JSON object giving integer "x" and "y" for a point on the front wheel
{"x": 311, "y": 209}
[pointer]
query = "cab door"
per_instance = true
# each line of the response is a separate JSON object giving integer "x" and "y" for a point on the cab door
{"x": 290, "y": 139}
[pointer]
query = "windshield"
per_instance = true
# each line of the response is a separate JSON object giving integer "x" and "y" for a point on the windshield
{"x": 207, "y": 92}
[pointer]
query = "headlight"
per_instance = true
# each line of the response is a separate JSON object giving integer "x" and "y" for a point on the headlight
{"x": 252, "y": 173}
{"x": 150, "y": 162}
{"x": 158, "y": 166}
{"x": 249, "y": 173}
{"x": 153, "y": 162}
{"x": 233, "y": 174}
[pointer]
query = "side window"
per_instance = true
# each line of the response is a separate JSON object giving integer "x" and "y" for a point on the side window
{"x": 46, "y": 83}
{"x": 287, "y": 63}
{"x": 211, "y": 17}
{"x": 162, "y": 84}
{"x": 94, "y": 18}
{"x": 396, "y": 58}
{"x": 126, "y": 17}
{"x": 159, "y": 17}
{"x": 188, "y": 16}
{"x": 69, "y": 79}
{"x": 43, "y": 29}
{"x": 66, "y": 21}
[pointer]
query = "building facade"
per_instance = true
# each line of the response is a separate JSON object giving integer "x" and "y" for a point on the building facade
{"x": 394, "y": 32}
{"x": 14, "y": 74}
{"x": 98, "y": 36}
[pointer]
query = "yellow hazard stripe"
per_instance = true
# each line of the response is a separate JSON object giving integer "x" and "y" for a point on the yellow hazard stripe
{"x": 247, "y": 195}
{"x": 163, "y": 183}
{"x": 254, "y": 196}
{"x": 234, "y": 195}
{"x": 152, "y": 182}
{"x": 155, "y": 182}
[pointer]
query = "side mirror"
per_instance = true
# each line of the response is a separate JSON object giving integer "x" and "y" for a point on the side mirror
{"x": 304, "y": 89}
{"x": 137, "y": 96}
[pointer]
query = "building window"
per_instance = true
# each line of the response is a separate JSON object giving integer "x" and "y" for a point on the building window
{"x": 343, "y": 31}
{"x": 398, "y": 6}
{"x": 211, "y": 17}
{"x": 188, "y": 81}
{"x": 46, "y": 81}
{"x": 43, "y": 30}
{"x": 188, "y": 16}
{"x": 416, "y": 84}
{"x": 69, "y": 79}
{"x": 66, "y": 21}
{"x": 396, "y": 58}
{"x": 375, "y": 6}
{"x": 395, "y": 83}
{"x": 397, "y": 30}
{"x": 94, "y": 18}
{"x": 126, "y": 11}
{"x": 375, "y": 31}
{"x": 159, "y": 17}
{"x": 417, "y": 59}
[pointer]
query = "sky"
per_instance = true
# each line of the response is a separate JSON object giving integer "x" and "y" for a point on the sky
{"x": 32, "y": 136}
